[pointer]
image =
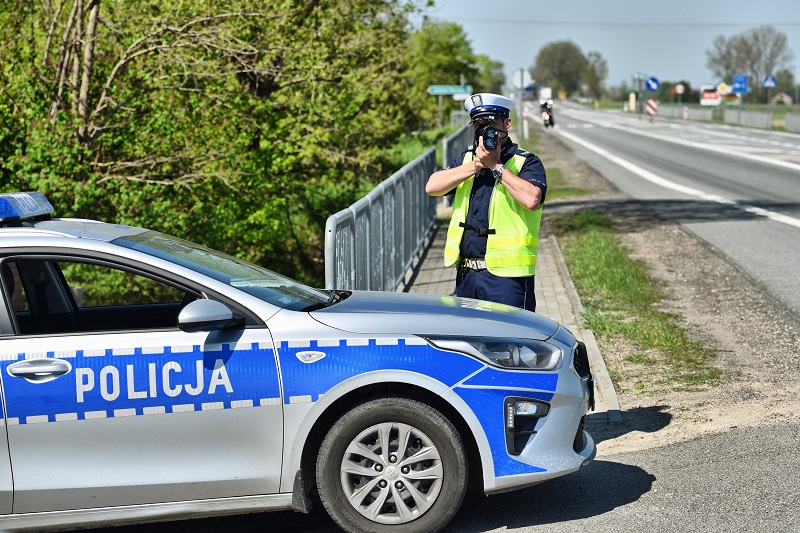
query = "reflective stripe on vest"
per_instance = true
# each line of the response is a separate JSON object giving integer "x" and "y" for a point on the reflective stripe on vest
{"x": 511, "y": 250}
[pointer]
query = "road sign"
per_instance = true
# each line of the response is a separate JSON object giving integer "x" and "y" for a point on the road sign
{"x": 709, "y": 95}
{"x": 449, "y": 89}
{"x": 652, "y": 84}
{"x": 652, "y": 107}
{"x": 679, "y": 88}
{"x": 460, "y": 97}
{"x": 723, "y": 88}
{"x": 740, "y": 84}
{"x": 769, "y": 82}
{"x": 520, "y": 78}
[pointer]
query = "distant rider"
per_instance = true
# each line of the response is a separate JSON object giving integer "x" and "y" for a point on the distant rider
{"x": 547, "y": 111}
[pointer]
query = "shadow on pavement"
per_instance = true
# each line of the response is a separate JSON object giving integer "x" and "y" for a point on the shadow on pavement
{"x": 596, "y": 489}
{"x": 644, "y": 419}
{"x": 639, "y": 214}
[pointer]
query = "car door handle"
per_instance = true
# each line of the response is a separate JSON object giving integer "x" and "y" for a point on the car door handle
{"x": 39, "y": 370}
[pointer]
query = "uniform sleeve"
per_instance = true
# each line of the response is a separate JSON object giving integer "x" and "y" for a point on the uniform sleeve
{"x": 533, "y": 171}
{"x": 458, "y": 161}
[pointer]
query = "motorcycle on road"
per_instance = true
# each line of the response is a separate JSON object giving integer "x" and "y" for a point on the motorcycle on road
{"x": 547, "y": 114}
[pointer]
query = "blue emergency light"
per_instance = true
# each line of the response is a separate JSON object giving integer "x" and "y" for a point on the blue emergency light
{"x": 24, "y": 206}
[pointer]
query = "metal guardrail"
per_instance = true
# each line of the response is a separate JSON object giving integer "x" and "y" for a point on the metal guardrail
{"x": 792, "y": 122}
{"x": 687, "y": 113}
{"x": 372, "y": 244}
{"x": 454, "y": 144}
{"x": 458, "y": 118}
{"x": 754, "y": 119}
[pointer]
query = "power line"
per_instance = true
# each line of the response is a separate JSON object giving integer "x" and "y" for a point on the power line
{"x": 626, "y": 25}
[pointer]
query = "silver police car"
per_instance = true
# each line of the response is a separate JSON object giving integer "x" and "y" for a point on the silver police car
{"x": 148, "y": 378}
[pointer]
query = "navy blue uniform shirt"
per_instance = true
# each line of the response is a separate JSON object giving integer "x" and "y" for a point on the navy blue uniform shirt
{"x": 472, "y": 244}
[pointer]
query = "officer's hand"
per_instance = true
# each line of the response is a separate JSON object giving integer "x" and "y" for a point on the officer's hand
{"x": 487, "y": 158}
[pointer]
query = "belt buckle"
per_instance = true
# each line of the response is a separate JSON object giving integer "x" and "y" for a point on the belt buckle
{"x": 473, "y": 263}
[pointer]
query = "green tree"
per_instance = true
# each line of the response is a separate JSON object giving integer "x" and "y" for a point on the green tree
{"x": 235, "y": 124}
{"x": 758, "y": 52}
{"x": 491, "y": 77}
{"x": 784, "y": 81}
{"x": 595, "y": 74}
{"x": 440, "y": 55}
{"x": 724, "y": 59}
{"x": 560, "y": 65}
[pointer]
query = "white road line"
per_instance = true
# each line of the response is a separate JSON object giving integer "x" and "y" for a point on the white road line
{"x": 701, "y": 145}
{"x": 662, "y": 182}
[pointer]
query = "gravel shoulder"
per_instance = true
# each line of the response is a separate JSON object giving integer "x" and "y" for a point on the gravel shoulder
{"x": 755, "y": 339}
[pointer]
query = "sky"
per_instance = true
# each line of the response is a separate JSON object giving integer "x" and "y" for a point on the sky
{"x": 664, "y": 39}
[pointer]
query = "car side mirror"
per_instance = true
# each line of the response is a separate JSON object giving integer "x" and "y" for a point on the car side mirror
{"x": 206, "y": 315}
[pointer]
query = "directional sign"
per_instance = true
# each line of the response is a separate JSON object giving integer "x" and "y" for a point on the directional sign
{"x": 740, "y": 84}
{"x": 449, "y": 89}
{"x": 652, "y": 84}
{"x": 769, "y": 82}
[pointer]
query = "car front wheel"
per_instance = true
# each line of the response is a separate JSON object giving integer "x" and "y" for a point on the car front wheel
{"x": 391, "y": 465}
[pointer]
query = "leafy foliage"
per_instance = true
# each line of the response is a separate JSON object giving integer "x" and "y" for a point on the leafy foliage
{"x": 594, "y": 74}
{"x": 560, "y": 65}
{"x": 239, "y": 125}
{"x": 440, "y": 55}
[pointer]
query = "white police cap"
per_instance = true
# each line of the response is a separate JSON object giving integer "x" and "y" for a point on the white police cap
{"x": 484, "y": 105}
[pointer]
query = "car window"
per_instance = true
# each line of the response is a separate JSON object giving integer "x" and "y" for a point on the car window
{"x": 98, "y": 286}
{"x": 74, "y": 296}
{"x": 247, "y": 277}
{"x": 18, "y": 298}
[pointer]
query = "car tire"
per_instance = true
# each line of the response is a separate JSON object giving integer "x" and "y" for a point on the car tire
{"x": 414, "y": 483}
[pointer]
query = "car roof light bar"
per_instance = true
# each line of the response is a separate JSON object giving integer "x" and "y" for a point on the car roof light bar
{"x": 24, "y": 206}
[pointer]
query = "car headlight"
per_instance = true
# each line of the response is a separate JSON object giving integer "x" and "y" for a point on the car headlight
{"x": 509, "y": 353}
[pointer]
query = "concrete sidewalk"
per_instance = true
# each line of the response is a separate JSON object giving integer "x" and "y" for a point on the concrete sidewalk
{"x": 556, "y": 298}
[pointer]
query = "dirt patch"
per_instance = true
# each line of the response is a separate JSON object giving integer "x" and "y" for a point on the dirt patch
{"x": 756, "y": 340}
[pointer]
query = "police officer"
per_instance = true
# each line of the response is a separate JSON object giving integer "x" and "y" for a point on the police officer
{"x": 499, "y": 191}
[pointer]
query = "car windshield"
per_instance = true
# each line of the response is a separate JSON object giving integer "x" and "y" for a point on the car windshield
{"x": 252, "y": 279}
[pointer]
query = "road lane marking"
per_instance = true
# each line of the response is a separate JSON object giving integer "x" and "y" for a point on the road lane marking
{"x": 699, "y": 144}
{"x": 690, "y": 191}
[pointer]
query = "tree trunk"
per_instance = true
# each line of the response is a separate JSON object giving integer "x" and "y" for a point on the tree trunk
{"x": 63, "y": 60}
{"x": 76, "y": 58}
{"x": 88, "y": 63}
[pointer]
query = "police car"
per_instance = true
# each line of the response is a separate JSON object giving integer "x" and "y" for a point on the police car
{"x": 148, "y": 378}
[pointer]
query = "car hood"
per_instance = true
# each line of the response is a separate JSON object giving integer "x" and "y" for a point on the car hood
{"x": 370, "y": 312}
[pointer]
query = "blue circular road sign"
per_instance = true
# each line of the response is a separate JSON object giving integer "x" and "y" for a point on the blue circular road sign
{"x": 652, "y": 84}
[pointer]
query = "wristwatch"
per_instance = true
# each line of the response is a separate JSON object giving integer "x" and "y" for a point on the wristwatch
{"x": 498, "y": 171}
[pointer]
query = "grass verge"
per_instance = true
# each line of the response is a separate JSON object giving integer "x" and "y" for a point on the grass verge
{"x": 558, "y": 186}
{"x": 621, "y": 306}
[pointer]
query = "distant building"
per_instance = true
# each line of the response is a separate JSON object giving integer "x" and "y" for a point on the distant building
{"x": 783, "y": 98}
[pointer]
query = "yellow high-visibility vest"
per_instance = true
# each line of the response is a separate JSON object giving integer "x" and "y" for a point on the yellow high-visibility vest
{"x": 511, "y": 249}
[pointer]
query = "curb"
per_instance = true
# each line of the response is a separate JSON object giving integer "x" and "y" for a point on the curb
{"x": 604, "y": 387}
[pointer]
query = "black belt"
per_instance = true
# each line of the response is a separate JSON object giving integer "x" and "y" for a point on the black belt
{"x": 483, "y": 232}
{"x": 473, "y": 263}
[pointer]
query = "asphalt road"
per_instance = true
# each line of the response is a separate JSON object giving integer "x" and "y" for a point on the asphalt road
{"x": 736, "y": 188}
{"x": 741, "y": 480}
